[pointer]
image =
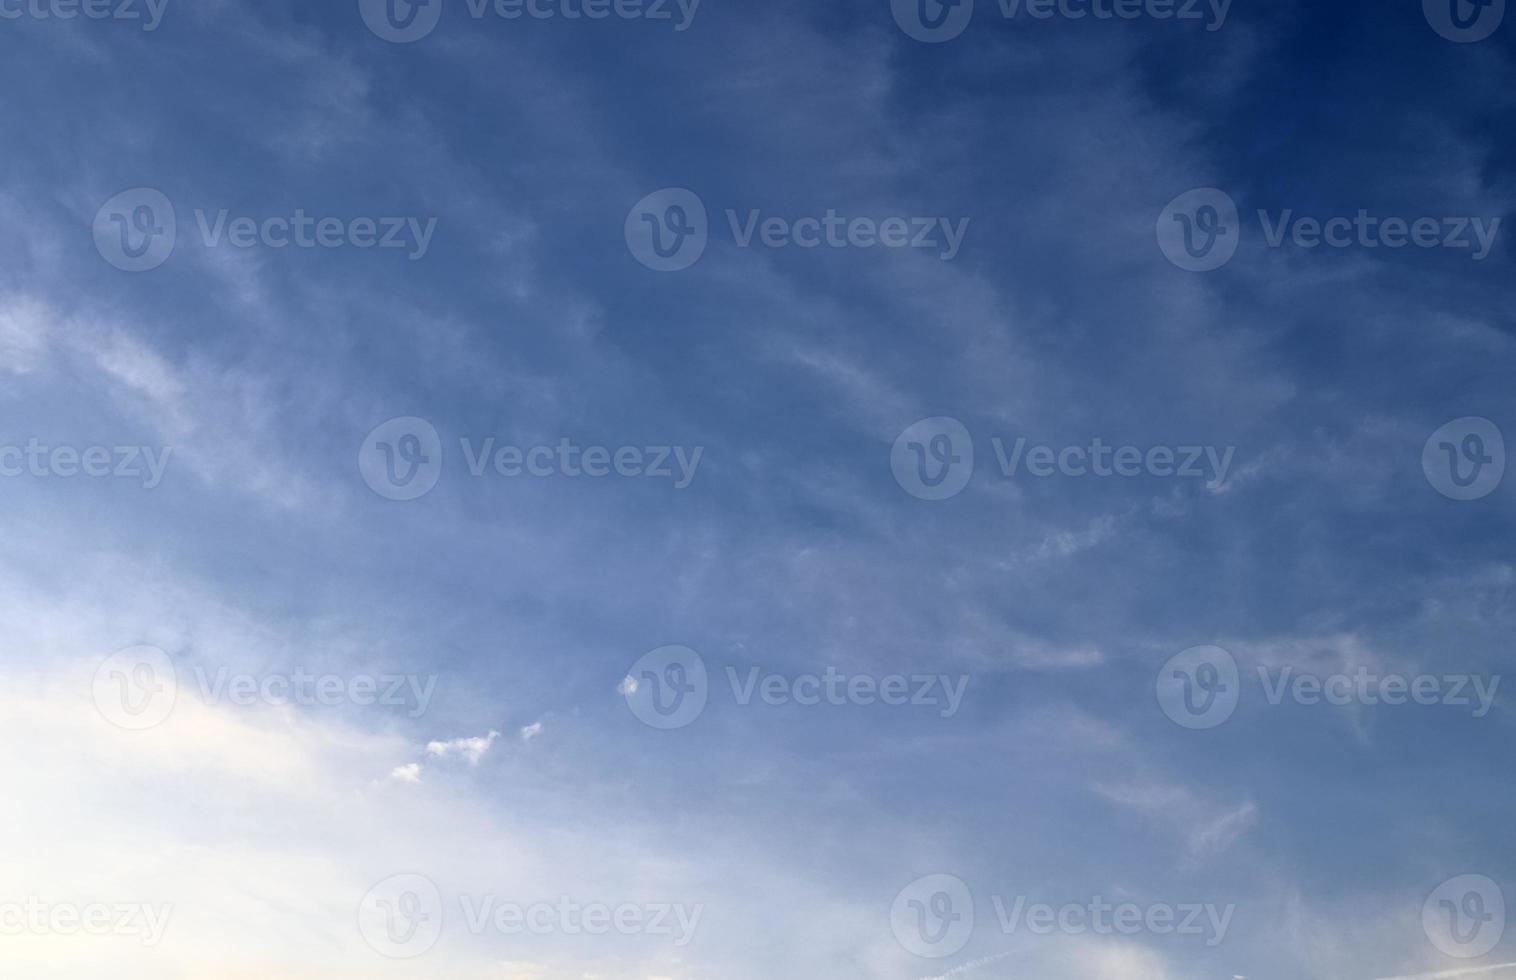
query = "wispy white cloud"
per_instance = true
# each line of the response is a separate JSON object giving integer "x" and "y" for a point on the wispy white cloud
{"x": 472, "y": 749}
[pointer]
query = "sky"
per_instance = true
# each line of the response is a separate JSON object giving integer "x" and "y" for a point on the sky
{"x": 563, "y": 489}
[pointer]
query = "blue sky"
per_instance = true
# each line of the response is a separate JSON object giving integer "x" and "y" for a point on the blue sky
{"x": 785, "y": 389}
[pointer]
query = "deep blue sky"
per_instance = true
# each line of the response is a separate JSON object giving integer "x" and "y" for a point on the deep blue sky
{"x": 530, "y": 319}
